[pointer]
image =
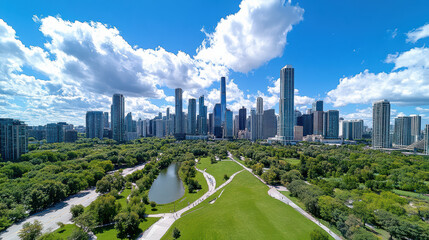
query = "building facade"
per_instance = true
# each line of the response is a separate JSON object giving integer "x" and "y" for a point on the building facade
{"x": 13, "y": 139}
{"x": 118, "y": 117}
{"x": 381, "y": 124}
{"x": 286, "y": 104}
{"x": 178, "y": 111}
{"x": 94, "y": 124}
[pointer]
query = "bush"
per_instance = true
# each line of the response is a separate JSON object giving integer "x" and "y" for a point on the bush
{"x": 176, "y": 233}
{"x": 76, "y": 210}
{"x": 319, "y": 234}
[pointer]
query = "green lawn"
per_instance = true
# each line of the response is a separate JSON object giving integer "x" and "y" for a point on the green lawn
{"x": 123, "y": 197}
{"x": 292, "y": 161}
{"x": 244, "y": 211}
{"x": 183, "y": 201}
{"x": 64, "y": 232}
{"x": 411, "y": 194}
{"x": 109, "y": 232}
{"x": 219, "y": 169}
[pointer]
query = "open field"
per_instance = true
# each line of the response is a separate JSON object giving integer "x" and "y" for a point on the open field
{"x": 244, "y": 211}
{"x": 183, "y": 201}
{"x": 218, "y": 169}
{"x": 64, "y": 232}
{"x": 292, "y": 161}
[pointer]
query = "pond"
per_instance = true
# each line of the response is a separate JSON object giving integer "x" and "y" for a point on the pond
{"x": 167, "y": 187}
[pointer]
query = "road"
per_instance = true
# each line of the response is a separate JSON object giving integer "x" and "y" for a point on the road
{"x": 158, "y": 229}
{"x": 273, "y": 192}
{"x": 60, "y": 212}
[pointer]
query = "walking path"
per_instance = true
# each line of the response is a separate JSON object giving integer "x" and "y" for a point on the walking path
{"x": 273, "y": 192}
{"x": 60, "y": 212}
{"x": 158, "y": 229}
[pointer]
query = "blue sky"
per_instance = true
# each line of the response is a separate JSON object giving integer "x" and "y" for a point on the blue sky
{"x": 60, "y": 59}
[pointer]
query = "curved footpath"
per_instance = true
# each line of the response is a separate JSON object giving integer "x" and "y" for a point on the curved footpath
{"x": 60, "y": 212}
{"x": 273, "y": 192}
{"x": 158, "y": 229}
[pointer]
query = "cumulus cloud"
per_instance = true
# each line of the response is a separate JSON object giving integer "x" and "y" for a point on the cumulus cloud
{"x": 406, "y": 84}
{"x": 417, "y": 34}
{"x": 251, "y": 37}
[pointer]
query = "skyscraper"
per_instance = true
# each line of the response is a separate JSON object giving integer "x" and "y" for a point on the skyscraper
{"x": 331, "y": 124}
{"x": 318, "y": 106}
{"x": 402, "y": 134}
{"x": 129, "y": 122}
{"x": 259, "y": 117}
{"x": 117, "y": 117}
{"x": 242, "y": 115}
{"x": 416, "y": 126}
{"x": 286, "y": 104}
{"x": 13, "y": 139}
{"x": 192, "y": 116}
{"x": 253, "y": 125}
{"x": 259, "y": 105}
{"x": 94, "y": 124}
{"x": 352, "y": 129}
{"x": 381, "y": 124}
{"x": 210, "y": 124}
{"x": 106, "y": 120}
{"x": 269, "y": 124}
{"x": 306, "y": 121}
{"x": 202, "y": 112}
{"x": 229, "y": 124}
{"x": 55, "y": 132}
{"x": 318, "y": 122}
{"x": 217, "y": 121}
{"x": 178, "y": 111}
{"x": 223, "y": 100}
{"x": 426, "y": 139}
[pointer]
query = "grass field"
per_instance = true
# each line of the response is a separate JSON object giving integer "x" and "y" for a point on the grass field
{"x": 183, "y": 201}
{"x": 244, "y": 211}
{"x": 219, "y": 169}
{"x": 123, "y": 197}
{"x": 109, "y": 232}
{"x": 292, "y": 161}
{"x": 64, "y": 232}
{"x": 411, "y": 194}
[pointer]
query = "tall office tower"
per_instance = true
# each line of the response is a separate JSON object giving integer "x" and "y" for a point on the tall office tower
{"x": 229, "y": 124}
{"x": 402, "y": 135}
{"x": 318, "y": 106}
{"x": 129, "y": 122}
{"x": 179, "y": 113}
{"x": 106, "y": 120}
{"x": 236, "y": 126}
{"x": 217, "y": 121}
{"x": 318, "y": 123}
{"x": 168, "y": 113}
{"x": 223, "y": 100}
{"x": 117, "y": 117}
{"x": 13, "y": 139}
{"x": 253, "y": 125}
{"x": 259, "y": 117}
{"x": 192, "y": 116}
{"x": 259, "y": 105}
{"x": 202, "y": 112}
{"x": 416, "y": 126}
{"x": 286, "y": 104}
{"x": 269, "y": 124}
{"x": 426, "y": 138}
{"x": 242, "y": 115}
{"x": 306, "y": 121}
{"x": 297, "y": 114}
{"x": 331, "y": 124}
{"x": 160, "y": 128}
{"x": 94, "y": 124}
{"x": 210, "y": 125}
{"x": 381, "y": 124}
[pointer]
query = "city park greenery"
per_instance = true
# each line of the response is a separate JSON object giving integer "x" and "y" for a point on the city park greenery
{"x": 354, "y": 189}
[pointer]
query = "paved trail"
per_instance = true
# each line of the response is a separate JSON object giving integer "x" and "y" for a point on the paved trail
{"x": 158, "y": 229}
{"x": 60, "y": 212}
{"x": 273, "y": 192}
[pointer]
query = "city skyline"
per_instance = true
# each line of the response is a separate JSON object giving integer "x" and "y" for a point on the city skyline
{"x": 51, "y": 93}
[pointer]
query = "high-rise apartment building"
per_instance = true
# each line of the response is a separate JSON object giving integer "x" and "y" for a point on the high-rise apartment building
{"x": 381, "y": 124}
{"x": 426, "y": 139}
{"x": 416, "y": 126}
{"x": 117, "y": 117}
{"x": 223, "y": 100}
{"x": 106, "y": 120}
{"x": 253, "y": 125}
{"x": 229, "y": 124}
{"x": 192, "y": 116}
{"x": 318, "y": 122}
{"x": 402, "y": 134}
{"x": 178, "y": 111}
{"x": 55, "y": 132}
{"x": 202, "y": 113}
{"x": 242, "y": 116}
{"x": 13, "y": 139}
{"x": 94, "y": 124}
{"x": 331, "y": 124}
{"x": 129, "y": 126}
{"x": 259, "y": 117}
{"x": 286, "y": 104}
{"x": 352, "y": 129}
{"x": 269, "y": 124}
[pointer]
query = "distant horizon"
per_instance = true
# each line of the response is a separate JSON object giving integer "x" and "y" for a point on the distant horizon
{"x": 61, "y": 61}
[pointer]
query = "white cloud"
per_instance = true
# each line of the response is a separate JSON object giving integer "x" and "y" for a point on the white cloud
{"x": 406, "y": 84}
{"x": 251, "y": 37}
{"x": 417, "y": 34}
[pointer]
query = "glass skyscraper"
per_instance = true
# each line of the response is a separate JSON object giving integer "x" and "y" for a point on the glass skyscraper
{"x": 118, "y": 117}
{"x": 223, "y": 99}
{"x": 217, "y": 121}
{"x": 381, "y": 124}
{"x": 286, "y": 104}
{"x": 178, "y": 111}
{"x": 94, "y": 124}
{"x": 202, "y": 112}
{"x": 192, "y": 116}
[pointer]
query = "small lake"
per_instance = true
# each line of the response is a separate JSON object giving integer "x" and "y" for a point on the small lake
{"x": 167, "y": 187}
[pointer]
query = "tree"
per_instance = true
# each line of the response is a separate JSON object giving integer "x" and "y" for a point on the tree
{"x": 78, "y": 234}
{"x": 30, "y": 231}
{"x": 76, "y": 210}
{"x": 87, "y": 221}
{"x": 225, "y": 177}
{"x": 319, "y": 234}
{"x": 105, "y": 208}
{"x": 127, "y": 224}
{"x": 176, "y": 233}
{"x": 153, "y": 204}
